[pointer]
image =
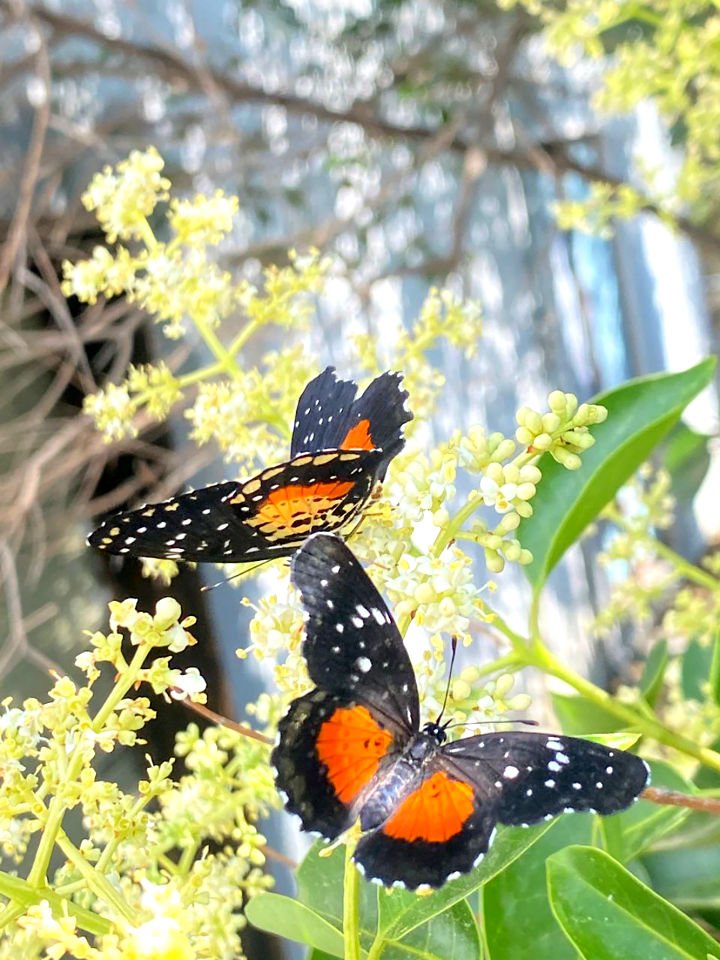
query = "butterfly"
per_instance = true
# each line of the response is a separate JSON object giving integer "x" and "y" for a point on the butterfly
{"x": 352, "y": 748}
{"x": 341, "y": 446}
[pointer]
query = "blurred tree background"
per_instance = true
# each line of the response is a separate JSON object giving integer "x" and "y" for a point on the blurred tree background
{"x": 559, "y": 162}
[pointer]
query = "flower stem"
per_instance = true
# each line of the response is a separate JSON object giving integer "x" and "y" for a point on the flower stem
{"x": 539, "y": 656}
{"x": 58, "y": 805}
{"x": 351, "y": 904}
{"x": 95, "y": 881}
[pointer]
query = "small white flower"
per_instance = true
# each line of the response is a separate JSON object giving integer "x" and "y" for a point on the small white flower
{"x": 188, "y": 684}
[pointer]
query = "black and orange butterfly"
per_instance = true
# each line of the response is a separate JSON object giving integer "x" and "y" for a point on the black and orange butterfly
{"x": 341, "y": 446}
{"x": 353, "y": 747}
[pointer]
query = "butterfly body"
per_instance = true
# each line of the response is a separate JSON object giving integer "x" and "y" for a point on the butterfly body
{"x": 341, "y": 446}
{"x": 353, "y": 748}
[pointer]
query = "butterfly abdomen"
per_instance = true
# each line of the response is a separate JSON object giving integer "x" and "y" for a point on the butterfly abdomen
{"x": 397, "y": 782}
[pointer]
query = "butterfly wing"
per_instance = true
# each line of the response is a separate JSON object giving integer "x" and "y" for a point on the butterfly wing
{"x": 322, "y": 410}
{"x": 352, "y": 643}
{"x": 439, "y": 830}
{"x": 337, "y": 738}
{"x": 446, "y": 823}
{"x": 528, "y": 777}
{"x": 329, "y": 417}
{"x": 266, "y": 517}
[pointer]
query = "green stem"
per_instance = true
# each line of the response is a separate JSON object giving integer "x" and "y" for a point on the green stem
{"x": 242, "y": 338}
{"x": 58, "y": 805}
{"x": 539, "y": 656}
{"x": 351, "y": 904}
{"x": 684, "y": 567}
{"x": 214, "y": 344}
{"x": 10, "y": 913}
{"x": 95, "y": 881}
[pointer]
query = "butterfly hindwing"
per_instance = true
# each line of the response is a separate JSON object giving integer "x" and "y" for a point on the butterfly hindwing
{"x": 262, "y": 518}
{"x": 438, "y": 830}
{"x": 329, "y": 416}
{"x": 528, "y": 777}
{"x": 330, "y": 748}
{"x": 352, "y": 645}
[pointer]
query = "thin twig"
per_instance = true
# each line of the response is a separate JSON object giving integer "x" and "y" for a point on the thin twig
{"x": 218, "y": 718}
{"x": 674, "y": 799}
{"x": 31, "y": 172}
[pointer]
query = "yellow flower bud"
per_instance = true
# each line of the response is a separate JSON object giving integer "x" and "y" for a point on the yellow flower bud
{"x": 512, "y": 550}
{"x": 167, "y": 612}
{"x": 543, "y": 441}
{"x": 524, "y": 437}
{"x": 557, "y": 402}
{"x": 551, "y": 422}
{"x": 525, "y": 491}
{"x": 571, "y": 461}
{"x": 494, "y": 562}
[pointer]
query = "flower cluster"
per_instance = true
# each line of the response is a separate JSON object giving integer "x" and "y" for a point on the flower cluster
{"x": 670, "y": 59}
{"x": 141, "y": 880}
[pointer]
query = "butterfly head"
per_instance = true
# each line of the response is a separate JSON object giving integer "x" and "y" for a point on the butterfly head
{"x": 436, "y": 730}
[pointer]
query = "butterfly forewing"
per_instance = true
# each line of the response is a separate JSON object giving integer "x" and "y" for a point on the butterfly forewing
{"x": 329, "y": 416}
{"x": 262, "y": 518}
{"x": 340, "y": 447}
{"x": 352, "y": 645}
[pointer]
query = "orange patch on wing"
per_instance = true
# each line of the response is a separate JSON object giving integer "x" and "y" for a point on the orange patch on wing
{"x": 358, "y": 438}
{"x": 286, "y": 504}
{"x": 435, "y": 812}
{"x": 351, "y": 745}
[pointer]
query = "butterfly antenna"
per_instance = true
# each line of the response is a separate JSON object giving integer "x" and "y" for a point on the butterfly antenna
{"x": 241, "y": 573}
{"x": 480, "y": 723}
{"x": 453, "y": 643}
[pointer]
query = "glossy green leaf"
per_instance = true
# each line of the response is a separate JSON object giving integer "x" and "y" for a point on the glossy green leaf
{"x": 607, "y": 913}
{"x": 516, "y": 913}
{"x": 435, "y": 934}
{"x": 654, "y": 672}
{"x": 453, "y": 933}
{"x": 687, "y": 875}
{"x": 293, "y": 920}
{"x": 640, "y": 413}
{"x": 401, "y": 911}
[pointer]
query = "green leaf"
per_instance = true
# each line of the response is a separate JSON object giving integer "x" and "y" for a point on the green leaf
{"x": 630, "y": 833}
{"x": 607, "y": 913}
{"x": 320, "y": 880}
{"x": 579, "y": 716}
{"x": 293, "y": 920}
{"x": 640, "y": 413}
{"x": 686, "y": 457}
{"x": 401, "y": 911}
{"x": 696, "y": 670}
{"x": 687, "y": 875}
{"x": 654, "y": 672}
{"x": 451, "y": 933}
{"x": 516, "y": 913}
{"x": 714, "y": 677}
